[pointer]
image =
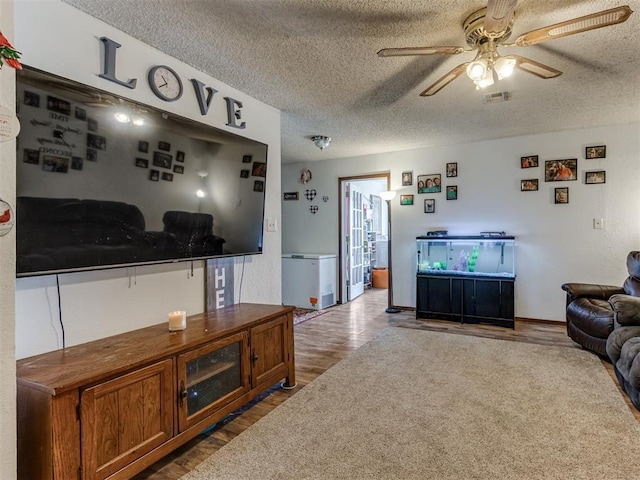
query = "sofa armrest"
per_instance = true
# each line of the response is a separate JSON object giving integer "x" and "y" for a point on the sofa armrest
{"x": 626, "y": 309}
{"x": 214, "y": 240}
{"x": 589, "y": 290}
{"x": 628, "y": 367}
{"x": 617, "y": 339}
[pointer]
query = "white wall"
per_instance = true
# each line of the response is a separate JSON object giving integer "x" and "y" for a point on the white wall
{"x": 7, "y": 272}
{"x": 555, "y": 243}
{"x": 102, "y": 303}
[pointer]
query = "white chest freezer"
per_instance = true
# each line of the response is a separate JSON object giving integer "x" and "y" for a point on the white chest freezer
{"x": 309, "y": 280}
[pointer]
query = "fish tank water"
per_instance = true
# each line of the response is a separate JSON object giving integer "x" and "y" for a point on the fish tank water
{"x": 475, "y": 256}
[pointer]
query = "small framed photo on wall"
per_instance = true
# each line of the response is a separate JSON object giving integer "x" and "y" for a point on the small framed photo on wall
{"x": 58, "y": 105}
{"x": 452, "y": 192}
{"x": 529, "y": 185}
{"x": 597, "y": 151}
{"x": 529, "y": 161}
{"x": 406, "y": 199}
{"x": 31, "y": 156}
{"x": 591, "y": 178}
{"x": 81, "y": 113}
{"x": 407, "y": 179}
{"x": 31, "y": 99}
{"x": 259, "y": 169}
{"x": 562, "y": 195}
{"x": 430, "y": 205}
{"x": 76, "y": 163}
{"x": 142, "y": 163}
{"x": 452, "y": 169}
{"x": 96, "y": 141}
{"x": 55, "y": 163}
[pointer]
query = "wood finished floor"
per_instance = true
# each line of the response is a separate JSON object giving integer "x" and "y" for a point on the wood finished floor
{"x": 322, "y": 342}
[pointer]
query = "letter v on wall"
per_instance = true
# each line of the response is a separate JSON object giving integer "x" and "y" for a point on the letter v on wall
{"x": 203, "y": 102}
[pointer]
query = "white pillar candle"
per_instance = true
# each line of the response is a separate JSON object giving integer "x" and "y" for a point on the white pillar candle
{"x": 177, "y": 320}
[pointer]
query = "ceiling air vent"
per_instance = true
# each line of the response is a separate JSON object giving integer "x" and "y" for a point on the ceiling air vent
{"x": 496, "y": 97}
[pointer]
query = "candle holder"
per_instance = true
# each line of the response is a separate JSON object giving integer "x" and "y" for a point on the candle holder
{"x": 177, "y": 320}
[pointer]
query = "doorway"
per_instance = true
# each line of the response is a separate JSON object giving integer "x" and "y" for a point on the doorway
{"x": 363, "y": 233}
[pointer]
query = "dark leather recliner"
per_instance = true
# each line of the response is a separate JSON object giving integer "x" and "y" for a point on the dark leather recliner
{"x": 623, "y": 345}
{"x": 590, "y": 316}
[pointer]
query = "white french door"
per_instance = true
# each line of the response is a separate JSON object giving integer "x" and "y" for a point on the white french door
{"x": 356, "y": 241}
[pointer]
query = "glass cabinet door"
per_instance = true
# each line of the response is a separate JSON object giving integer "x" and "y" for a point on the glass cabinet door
{"x": 211, "y": 377}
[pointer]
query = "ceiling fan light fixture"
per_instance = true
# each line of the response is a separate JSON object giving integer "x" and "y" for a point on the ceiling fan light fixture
{"x": 321, "y": 141}
{"x": 486, "y": 79}
{"x": 504, "y": 66}
{"x": 478, "y": 69}
{"x": 485, "y": 82}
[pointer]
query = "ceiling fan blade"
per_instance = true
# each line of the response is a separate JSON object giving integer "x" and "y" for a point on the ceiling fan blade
{"x": 401, "y": 52}
{"x": 536, "y": 68}
{"x": 605, "y": 18}
{"x": 445, "y": 80}
{"x": 499, "y": 15}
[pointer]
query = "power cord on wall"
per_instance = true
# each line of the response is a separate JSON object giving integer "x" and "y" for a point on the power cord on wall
{"x": 135, "y": 276}
{"x": 244, "y": 259}
{"x": 64, "y": 343}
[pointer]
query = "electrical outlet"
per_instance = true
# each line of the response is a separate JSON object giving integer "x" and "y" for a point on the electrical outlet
{"x": 272, "y": 225}
{"x": 598, "y": 223}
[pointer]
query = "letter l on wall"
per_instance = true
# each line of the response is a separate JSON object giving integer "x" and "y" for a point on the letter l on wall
{"x": 109, "y": 72}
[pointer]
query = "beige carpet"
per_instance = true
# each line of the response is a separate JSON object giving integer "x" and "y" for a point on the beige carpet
{"x": 415, "y": 404}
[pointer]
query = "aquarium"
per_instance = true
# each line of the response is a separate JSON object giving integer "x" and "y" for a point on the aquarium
{"x": 477, "y": 256}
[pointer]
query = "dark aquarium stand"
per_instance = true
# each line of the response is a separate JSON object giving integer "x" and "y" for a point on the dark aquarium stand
{"x": 468, "y": 279}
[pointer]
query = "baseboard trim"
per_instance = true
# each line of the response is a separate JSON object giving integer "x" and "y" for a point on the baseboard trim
{"x": 540, "y": 320}
{"x": 517, "y": 319}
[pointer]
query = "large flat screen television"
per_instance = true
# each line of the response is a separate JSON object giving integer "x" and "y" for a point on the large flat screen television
{"x": 106, "y": 182}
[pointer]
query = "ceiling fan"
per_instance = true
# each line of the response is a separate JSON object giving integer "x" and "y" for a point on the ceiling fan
{"x": 488, "y": 28}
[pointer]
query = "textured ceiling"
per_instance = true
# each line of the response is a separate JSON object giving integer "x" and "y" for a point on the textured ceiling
{"x": 315, "y": 60}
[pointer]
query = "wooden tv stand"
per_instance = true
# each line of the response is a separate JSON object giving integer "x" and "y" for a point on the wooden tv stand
{"x": 112, "y": 407}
